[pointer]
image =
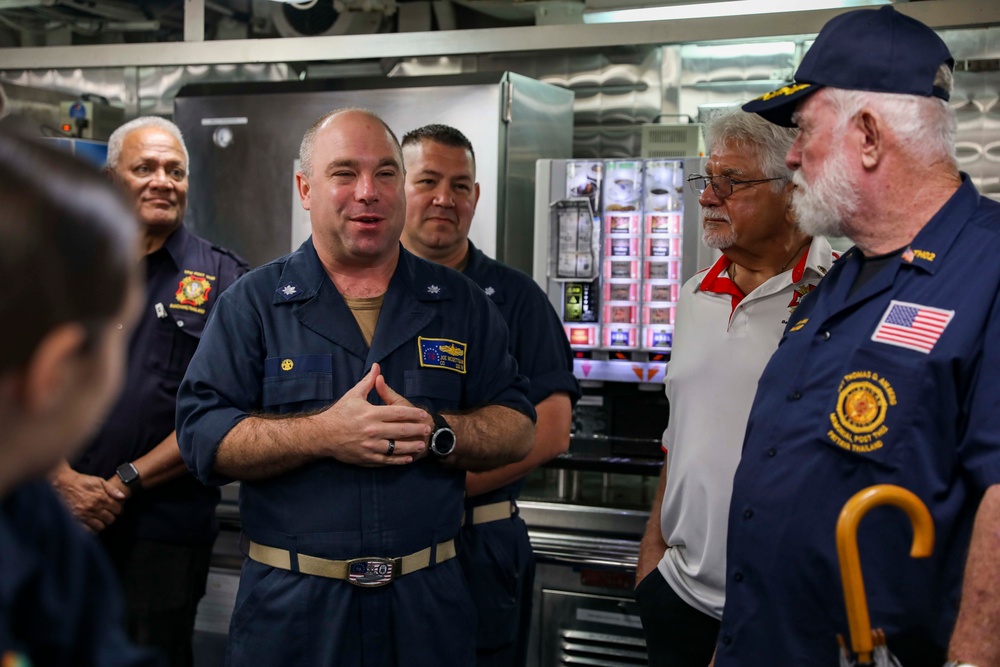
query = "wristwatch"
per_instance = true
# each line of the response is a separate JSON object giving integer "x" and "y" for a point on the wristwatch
{"x": 442, "y": 437}
{"x": 955, "y": 663}
{"x": 129, "y": 476}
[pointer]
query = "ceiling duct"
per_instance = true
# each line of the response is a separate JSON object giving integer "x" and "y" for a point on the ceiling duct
{"x": 329, "y": 17}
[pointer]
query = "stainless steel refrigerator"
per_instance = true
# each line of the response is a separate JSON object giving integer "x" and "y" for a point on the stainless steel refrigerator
{"x": 244, "y": 142}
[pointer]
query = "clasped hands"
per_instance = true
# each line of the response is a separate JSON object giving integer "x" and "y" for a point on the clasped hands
{"x": 362, "y": 432}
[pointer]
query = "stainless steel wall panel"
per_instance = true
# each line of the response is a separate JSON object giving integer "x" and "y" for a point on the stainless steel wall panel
{"x": 242, "y": 195}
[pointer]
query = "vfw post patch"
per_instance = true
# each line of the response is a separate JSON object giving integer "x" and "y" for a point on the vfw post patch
{"x": 192, "y": 291}
{"x": 912, "y": 326}
{"x": 442, "y": 353}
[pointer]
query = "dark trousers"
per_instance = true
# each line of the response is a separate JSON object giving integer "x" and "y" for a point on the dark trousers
{"x": 677, "y": 634}
{"x": 163, "y": 584}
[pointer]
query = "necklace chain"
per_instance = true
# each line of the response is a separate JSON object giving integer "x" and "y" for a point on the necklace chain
{"x": 732, "y": 265}
{"x": 794, "y": 255}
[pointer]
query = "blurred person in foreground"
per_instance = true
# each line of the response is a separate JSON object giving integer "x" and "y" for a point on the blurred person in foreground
{"x": 729, "y": 320}
{"x": 71, "y": 292}
{"x": 885, "y": 374}
{"x": 495, "y": 554}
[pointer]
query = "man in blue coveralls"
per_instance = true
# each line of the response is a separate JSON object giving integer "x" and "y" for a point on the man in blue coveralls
{"x": 441, "y": 197}
{"x": 886, "y": 374}
{"x": 349, "y": 386}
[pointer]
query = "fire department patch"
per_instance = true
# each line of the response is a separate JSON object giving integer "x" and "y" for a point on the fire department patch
{"x": 863, "y": 401}
{"x": 193, "y": 289}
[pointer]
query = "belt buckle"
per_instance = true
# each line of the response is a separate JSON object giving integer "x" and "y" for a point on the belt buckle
{"x": 371, "y": 572}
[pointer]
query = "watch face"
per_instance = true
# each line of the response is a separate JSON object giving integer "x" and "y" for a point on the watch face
{"x": 128, "y": 474}
{"x": 443, "y": 441}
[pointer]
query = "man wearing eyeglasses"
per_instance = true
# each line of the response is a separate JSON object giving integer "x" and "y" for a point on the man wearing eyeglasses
{"x": 729, "y": 320}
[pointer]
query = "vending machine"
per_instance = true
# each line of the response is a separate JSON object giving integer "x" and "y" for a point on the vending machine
{"x": 615, "y": 240}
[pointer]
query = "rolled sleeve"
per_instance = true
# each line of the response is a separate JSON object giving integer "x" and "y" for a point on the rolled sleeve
{"x": 222, "y": 385}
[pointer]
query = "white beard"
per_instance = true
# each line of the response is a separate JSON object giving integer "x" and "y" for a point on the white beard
{"x": 821, "y": 208}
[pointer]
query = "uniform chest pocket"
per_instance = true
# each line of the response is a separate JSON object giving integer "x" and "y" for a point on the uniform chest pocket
{"x": 875, "y": 407}
{"x": 299, "y": 381}
{"x": 438, "y": 389}
{"x": 172, "y": 345}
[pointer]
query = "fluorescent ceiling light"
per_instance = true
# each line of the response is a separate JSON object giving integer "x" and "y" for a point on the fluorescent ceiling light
{"x": 713, "y": 9}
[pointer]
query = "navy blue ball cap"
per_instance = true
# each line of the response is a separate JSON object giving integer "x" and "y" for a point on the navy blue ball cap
{"x": 878, "y": 50}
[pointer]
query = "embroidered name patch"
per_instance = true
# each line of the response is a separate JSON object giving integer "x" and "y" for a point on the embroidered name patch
{"x": 442, "y": 353}
{"x": 912, "y": 326}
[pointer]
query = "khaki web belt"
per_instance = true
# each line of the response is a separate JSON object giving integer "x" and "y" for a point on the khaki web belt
{"x": 367, "y": 572}
{"x": 504, "y": 509}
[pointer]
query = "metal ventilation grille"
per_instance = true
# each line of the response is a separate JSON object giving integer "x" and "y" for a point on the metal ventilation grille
{"x": 672, "y": 140}
{"x": 590, "y": 629}
{"x": 601, "y": 649}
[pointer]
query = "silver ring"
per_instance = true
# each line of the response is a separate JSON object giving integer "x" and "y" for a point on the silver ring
{"x": 392, "y": 447}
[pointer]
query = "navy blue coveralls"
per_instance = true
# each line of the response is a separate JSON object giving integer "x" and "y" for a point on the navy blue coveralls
{"x": 184, "y": 279}
{"x": 496, "y": 556}
{"x": 283, "y": 341}
{"x": 60, "y": 603}
{"x": 868, "y": 389}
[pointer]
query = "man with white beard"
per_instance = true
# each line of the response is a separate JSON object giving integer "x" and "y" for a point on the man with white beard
{"x": 885, "y": 374}
{"x": 729, "y": 320}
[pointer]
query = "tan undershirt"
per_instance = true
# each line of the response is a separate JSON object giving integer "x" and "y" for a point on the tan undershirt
{"x": 365, "y": 313}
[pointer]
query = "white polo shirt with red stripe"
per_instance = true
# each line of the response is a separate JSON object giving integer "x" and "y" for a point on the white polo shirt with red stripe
{"x": 722, "y": 341}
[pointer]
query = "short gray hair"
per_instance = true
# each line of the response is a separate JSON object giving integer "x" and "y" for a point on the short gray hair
{"x": 309, "y": 138}
{"x": 925, "y": 127}
{"x": 141, "y": 123}
{"x": 766, "y": 142}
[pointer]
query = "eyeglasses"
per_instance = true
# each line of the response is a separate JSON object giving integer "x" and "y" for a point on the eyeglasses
{"x": 722, "y": 185}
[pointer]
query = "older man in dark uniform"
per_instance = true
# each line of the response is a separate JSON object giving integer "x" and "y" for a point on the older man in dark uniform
{"x": 130, "y": 484}
{"x": 885, "y": 374}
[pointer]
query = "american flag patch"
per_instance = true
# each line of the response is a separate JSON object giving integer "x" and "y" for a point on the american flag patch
{"x": 912, "y": 326}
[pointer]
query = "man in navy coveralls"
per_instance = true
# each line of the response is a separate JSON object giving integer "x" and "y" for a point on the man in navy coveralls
{"x": 349, "y": 386}
{"x": 441, "y": 197}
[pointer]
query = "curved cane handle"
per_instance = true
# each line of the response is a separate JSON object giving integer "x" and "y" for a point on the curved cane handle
{"x": 850, "y": 562}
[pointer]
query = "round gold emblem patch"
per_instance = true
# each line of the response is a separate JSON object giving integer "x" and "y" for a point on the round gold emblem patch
{"x": 287, "y": 364}
{"x": 861, "y": 407}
